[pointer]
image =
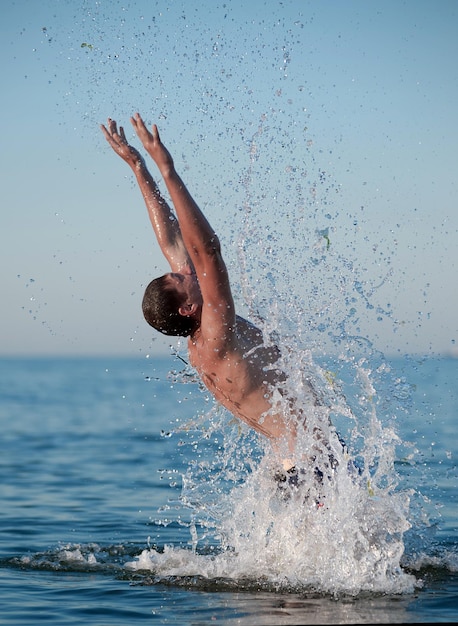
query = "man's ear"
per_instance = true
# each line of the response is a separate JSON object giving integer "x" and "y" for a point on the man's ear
{"x": 187, "y": 309}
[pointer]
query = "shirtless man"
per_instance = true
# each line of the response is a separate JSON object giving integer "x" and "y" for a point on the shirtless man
{"x": 194, "y": 300}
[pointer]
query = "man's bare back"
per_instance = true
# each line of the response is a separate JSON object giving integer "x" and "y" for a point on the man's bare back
{"x": 242, "y": 376}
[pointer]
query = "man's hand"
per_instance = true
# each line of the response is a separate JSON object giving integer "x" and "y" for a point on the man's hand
{"x": 120, "y": 145}
{"x": 153, "y": 144}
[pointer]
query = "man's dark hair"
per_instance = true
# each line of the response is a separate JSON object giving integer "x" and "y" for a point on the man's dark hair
{"x": 160, "y": 308}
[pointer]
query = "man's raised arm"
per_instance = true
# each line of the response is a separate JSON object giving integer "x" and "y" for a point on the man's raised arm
{"x": 163, "y": 220}
{"x": 200, "y": 239}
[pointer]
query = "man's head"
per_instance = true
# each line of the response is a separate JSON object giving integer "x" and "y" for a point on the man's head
{"x": 171, "y": 304}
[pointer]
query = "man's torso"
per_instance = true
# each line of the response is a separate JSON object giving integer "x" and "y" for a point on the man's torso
{"x": 241, "y": 374}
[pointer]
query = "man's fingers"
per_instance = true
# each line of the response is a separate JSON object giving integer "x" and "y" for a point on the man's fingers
{"x": 138, "y": 119}
{"x": 107, "y": 134}
{"x": 139, "y": 123}
{"x": 113, "y": 135}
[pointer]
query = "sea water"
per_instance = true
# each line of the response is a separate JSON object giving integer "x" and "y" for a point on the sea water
{"x": 127, "y": 494}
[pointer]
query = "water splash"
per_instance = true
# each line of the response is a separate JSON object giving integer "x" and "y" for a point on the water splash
{"x": 338, "y": 529}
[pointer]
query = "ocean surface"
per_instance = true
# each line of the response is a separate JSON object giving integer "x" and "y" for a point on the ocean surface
{"x": 127, "y": 496}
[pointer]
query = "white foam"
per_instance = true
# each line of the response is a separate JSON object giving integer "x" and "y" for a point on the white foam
{"x": 341, "y": 535}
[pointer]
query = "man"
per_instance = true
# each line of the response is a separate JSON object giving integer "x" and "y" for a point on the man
{"x": 194, "y": 300}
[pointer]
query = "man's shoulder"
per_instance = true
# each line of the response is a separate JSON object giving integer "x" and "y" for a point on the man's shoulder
{"x": 226, "y": 342}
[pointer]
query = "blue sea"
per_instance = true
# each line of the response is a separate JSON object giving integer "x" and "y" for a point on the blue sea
{"x": 128, "y": 496}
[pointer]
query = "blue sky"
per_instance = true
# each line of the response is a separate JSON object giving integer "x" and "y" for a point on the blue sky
{"x": 318, "y": 137}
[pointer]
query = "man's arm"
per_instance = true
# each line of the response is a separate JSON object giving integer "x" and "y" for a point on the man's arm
{"x": 202, "y": 243}
{"x": 163, "y": 220}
